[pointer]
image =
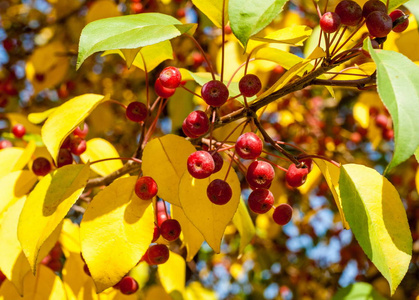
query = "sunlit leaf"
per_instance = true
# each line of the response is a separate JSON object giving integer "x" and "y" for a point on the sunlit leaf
{"x": 45, "y": 285}
{"x": 331, "y": 174}
{"x": 97, "y": 149}
{"x": 210, "y": 219}
{"x": 66, "y": 118}
{"x": 293, "y": 35}
{"x": 413, "y": 7}
{"x": 164, "y": 159}
{"x": 70, "y": 237}
{"x": 14, "y": 186}
{"x": 73, "y": 275}
{"x": 129, "y": 32}
{"x": 190, "y": 235}
{"x": 172, "y": 274}
{"x": 392, "y": 4}
{"x": 123, "y": 225}
{"x": 213, "y": 10}
{"x": 8, "y": 159}
{"x": 37, "y": 118}
{"x": 195, "y": 291}
{"x": 358, "y": 291}
{"x": 397, "y": 79}
{"x": 377, "y": 217}
{"x": 247, "y": 20}
{"x": 47, "y": 205}
{"x": 244, "y": 225}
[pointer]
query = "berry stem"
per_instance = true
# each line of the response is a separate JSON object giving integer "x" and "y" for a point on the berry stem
{"x": 233, "y": 155}
{"x": 273, "y": 164}
{"x": 225, "y": 140}
{"x": 114, "y": 158}
{"x": 203, "y": 53}
{"x": 186, "y": 89}
{"x": 237, "y": 70}
{"x": 339, "y": 39}
{"x": 320, "y": 157}
{"x": 274, "y": 155}
{"x": 349, "y": 38}
{"x": 117, "y": 102}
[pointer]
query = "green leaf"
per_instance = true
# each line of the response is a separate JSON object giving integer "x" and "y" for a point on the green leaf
{"x": 413, "y": 7}
{"x": 129, "y": 32}
{"x": 395, "y": 3}
{"x": 250, "y": 17}
{"x": 377, "y": 217}
{"x": 294, "y": 35}
{"x": 358, "y": 291}
{"x": 213, "y": 9}
{"x": 398, "y": 88}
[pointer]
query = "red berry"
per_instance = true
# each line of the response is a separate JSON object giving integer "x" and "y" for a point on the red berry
{"x": 227, "y": 29}
{"x": 170, "y": 77}
{"x": 156, "y": 234}
{"x": 77, "y": 145}
{"x": 219, "y": 192}
{"x": 308, "y": 162}
{"x": 64, "y": 158}
{"x": 66, "y": 143}
{"x": 197, "y": 123}
{"x": 330, "y": 22}
{"x": 215, "y": 93}
{"x": 128, "y": 285}
{"x": 350, "y": 12}
{"x": 399, "y": 27}
{"x": 19, "y": 130}
{"x": 41, "y": 166}
{"x": 282, "y": 214}
{"x": 218, "y": 162}
{"x": 373, "y": 5}
{"x": 186, "y": 131}
{"x": 162, "y": 91}
{"x": 260, "y": 201}
{"x": 81, "y": 133}
{"x": 250, "y": 85}
{"x": 200, "y": 164}
{"x": 381, "y": 121}
{"x": 161, "y": 213}
{"x": 260, "y": 174}
{"x": 379, "y": 24}
{"x": 146, "y": 188}
{"x": 136, "y": 111}
{"x": 170, "y": 230}
{"x": 249, "y": 146}
{"x": 296, "y": 177}
{"x": 158, "y": 254}
{"x": 5, "y": 144}
{"x": 388, "y": 134}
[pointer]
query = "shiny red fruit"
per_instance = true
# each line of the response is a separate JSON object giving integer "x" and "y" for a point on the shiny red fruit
{"x": 219, "y": 192}
{"x": 64, "y": 158}
{"x": 81, "y": 132}
{"x": 157, "y": 254}
{"x": 400, "y": 27}
{"x": 196, "y": 123}
{"x": 214, "y": 93}
{"x": 200, "y": 164}
{"x": 41, "y": 166}
{"x": 249, "y": 85}
{"x": 162, "y": 91}
{"x": 350, "y": 12}
{"x": 77, "y": 145}
{"x": 373, "y": 5}
{"x": 218, "y": 162}
{"x": 260, "y": 201}
{"x": 146, "y": 188}
{"x": 249, "y": 146}
{"x": 379, "y": 24}
{"x": 330, "y": 22}
{"x": 170, "y": 77}
{"x": 170, "y": 230}
{"x": 282, "y": 214}
{"x": 128, "y": 285}
{"x": 136, "y": 111}
{"x": 260, "y": 174}
{"x": 18, "y": 130}
{"x": 296, "y": 177}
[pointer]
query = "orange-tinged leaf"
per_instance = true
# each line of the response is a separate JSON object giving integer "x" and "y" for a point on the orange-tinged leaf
{"x": 377, "y": 217}
{"x": 73, "y": 275}
{"x": 45, "y": 285}
{"x": 190, "y": 235}
{"x": 97, "y": 149}
{"x": 123, "y": 226}
{"x": 14, "y": 186}
{"x": 66, "y": 118}
{"x": 172, "y": 274}
{"x": 244, "y": 225}
{"x": 47, "y": 205}
{"x": 165, "y": 159}
{"x": 331, "y": 174}
{"x": 210, "y": 219}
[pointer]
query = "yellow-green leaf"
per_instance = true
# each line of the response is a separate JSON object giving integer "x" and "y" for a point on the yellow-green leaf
{"x": 294, "y": 35}
{"x": 378, "y": 220}
{"x": 97, "y": 149}
{"x": 123, "y": 225}
{"x": 172, "y": 275}
{"x": 44, "y": 286}
{"x": 244, "y": 225}
{"x": 47, "y": 205}
{"x": 66, "y": 118}
{"x": 213, "y": 10}
{"x": 14, "y": 186}
{"x": 210, "y": 219}
{"x": 165, "y": 159}
{"x": 190, "y": 235}
{"x": 331, "y": 174}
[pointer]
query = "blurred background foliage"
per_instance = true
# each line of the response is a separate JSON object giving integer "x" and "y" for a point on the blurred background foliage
{"x": 310, "y": 258}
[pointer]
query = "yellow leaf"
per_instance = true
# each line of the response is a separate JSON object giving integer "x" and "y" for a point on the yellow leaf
{"x": 97, "y": 149}
{"x": 293, "y": 35}
{"x": 66, "y": 118}
{"x": 378, "y": 220}
{"x": 46, "y": 285}
{"x": 123, "y": 226}
{"x": 195, "y": 291}
{"x": 210, "y": 219}
{"x": 165, "y": 159}
{"x": 37, "y": 118}
{"x": 331, "y": 174}
{"x": 70, "y": 238}
{"x": 361, "y": 110}
{"x": 244, "y": 225}
{"x": 172, "y": 275}
{"x": 73, "y": 275}
{"x": 313, "y": 179}
{"x": 213, "y": 10}
{"x": 190, "y": 235}
{"x": 8, "y": 159}
{"x": 14, "y": 186}
{"x": 47, "y": 205}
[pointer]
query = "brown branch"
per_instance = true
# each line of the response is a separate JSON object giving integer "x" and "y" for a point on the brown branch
{"x": 129, "y": 167}
{"x": 358, "y": 83}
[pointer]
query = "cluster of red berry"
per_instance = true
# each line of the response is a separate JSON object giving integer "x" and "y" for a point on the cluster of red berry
{"x": 378, "y": 22}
